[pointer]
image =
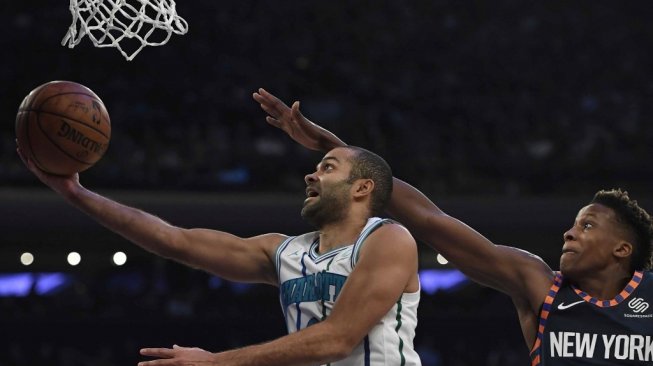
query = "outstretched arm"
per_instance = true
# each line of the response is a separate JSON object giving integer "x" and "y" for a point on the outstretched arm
{"x": 387, "y": 267}
{"x": 507, "y": 269}
{"x": 226, "y": 255}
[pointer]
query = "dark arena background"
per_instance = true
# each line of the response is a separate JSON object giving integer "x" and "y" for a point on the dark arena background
{"x": 509, "y": 115}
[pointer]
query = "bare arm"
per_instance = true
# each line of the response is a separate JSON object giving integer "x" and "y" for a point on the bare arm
{"x": 387, "y": 265}
{"x": 224, "y": 254}
{"x": 507, "y": 269}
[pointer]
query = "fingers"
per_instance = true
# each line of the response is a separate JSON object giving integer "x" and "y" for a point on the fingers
{"x": 154, "y": 363}
{"x": 266, "y": 94}
{"x": 295, "y": 110}
{"x": 273, "y": 121}
{"x": 258, "y": 97}
{"x": 20, "y": 154}
{"x": 269, "y": 110}
{"x": 263, "y": 97}
{"x": 164, "y": 355}
{"x": 26, "y": 160}
{"x": 279, "y": 114}
{"x": 158, "y": 352}
{"x": 268, "y": 106}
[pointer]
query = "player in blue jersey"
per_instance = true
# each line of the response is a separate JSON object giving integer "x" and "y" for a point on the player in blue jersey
{"x": 349, "y": 291}
{"x": 595, "y": 311}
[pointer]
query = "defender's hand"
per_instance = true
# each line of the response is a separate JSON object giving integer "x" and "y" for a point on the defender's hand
{"x": 295, "y": 125}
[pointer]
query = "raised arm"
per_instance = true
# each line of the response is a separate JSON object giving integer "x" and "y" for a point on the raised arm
{"x": 387, "y": 267}
{"x": 504, "y": 268}
{"x": 510, "y": 270}
{"x": 292, "y": 122}
{"x": 223, "y": 254}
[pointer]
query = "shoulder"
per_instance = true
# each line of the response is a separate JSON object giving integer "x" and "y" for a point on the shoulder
{"x": 387, "y": 225}
{"x": 268, "y": 242}
{"x": 645, "y": 279}
{"x": 390, "y": 227}
{"x": 280, "y": 241}
{"x": 270, "y": 238}
{"x": 392, "y": 236}
{"x": 390, "y": 251}
{"x": 526, "y": 260}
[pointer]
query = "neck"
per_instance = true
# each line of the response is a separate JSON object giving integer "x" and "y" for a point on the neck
{"x": 338, "y": 234}
{"x": 605, "y": 285}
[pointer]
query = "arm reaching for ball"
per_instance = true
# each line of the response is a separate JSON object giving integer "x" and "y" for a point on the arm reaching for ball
{"x": 217, "y": 252}
{"x": 370, "y": 284}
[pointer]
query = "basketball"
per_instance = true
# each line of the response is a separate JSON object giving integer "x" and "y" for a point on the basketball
{"x": 63, "y": 127}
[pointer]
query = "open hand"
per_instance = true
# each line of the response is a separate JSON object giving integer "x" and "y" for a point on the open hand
{"x": 295, "y": 125}
{"x": 178, "y": 356}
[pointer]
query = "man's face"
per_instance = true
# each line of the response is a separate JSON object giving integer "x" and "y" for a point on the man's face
{"x": 328, "y": 195}
{"x": 589, "y": 244}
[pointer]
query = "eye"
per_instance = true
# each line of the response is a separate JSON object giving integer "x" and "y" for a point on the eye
{"x": 587, "y": 225}
{"x": 327, "y": 167}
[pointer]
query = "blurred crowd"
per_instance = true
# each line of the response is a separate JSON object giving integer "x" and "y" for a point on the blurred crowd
{"x": 498, "y": 98}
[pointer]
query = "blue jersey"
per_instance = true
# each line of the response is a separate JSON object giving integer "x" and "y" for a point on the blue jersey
{"x": 577, "y": 329}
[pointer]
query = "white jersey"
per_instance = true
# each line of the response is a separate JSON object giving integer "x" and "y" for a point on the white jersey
{"x": 309, "y": 285}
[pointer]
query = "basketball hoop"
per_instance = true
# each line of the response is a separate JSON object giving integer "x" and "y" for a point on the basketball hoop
{"x": 108, "y": 23}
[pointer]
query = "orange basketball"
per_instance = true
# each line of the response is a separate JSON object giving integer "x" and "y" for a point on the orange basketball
{"x": 63, "y": 127}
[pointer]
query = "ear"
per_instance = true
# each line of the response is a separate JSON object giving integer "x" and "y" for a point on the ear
{"x": 623, "y": 249}
{"x": 362, "y": 187}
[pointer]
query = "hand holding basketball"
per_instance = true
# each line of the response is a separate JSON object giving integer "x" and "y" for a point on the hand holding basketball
{"x": 63, "y": 127}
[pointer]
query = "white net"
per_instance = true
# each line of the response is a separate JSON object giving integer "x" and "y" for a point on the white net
{"x": 128, "y": 25}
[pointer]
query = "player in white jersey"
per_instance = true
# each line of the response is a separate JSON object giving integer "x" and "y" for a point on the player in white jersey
{"x": 358, "y": 310}
{"x": 604, "y": 267}
{"x": 311, "y": 282}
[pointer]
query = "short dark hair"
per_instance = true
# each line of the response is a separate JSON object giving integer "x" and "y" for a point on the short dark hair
{"x": 636, "y": 220}
{"x": 368, "y": 165}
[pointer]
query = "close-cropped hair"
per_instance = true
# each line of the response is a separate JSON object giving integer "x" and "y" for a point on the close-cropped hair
{"x": 636, "y": 220}
{"x": 368, "y": 165}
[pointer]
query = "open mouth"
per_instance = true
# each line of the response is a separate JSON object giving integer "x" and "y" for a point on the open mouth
{"x": 310, "y": 192}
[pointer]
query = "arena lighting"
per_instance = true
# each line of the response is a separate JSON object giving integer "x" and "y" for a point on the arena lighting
{"x": 49, "y": 283}
{"x": 74, "y": 258}
{"x": 23, "y": 284}
{"x": 442, "y": 260}
{"x": 15, "y": 284}
{"x": 26, "y": 258}
{"x": 119, "y": 258}
{"x": 215, "y": 282}
{"x": 433, "y": 280}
